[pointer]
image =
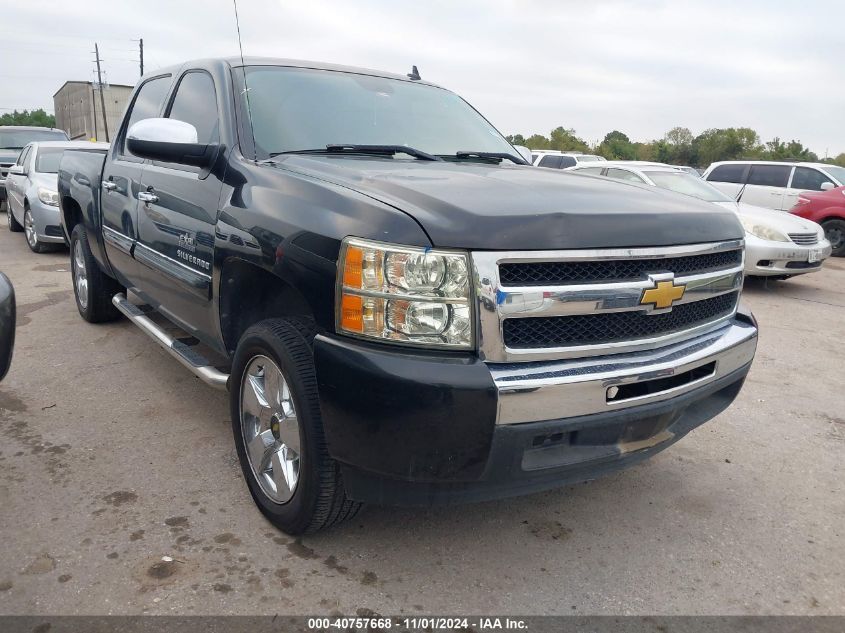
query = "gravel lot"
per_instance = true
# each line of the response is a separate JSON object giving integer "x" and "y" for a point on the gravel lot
{"x": 113, "y": 456}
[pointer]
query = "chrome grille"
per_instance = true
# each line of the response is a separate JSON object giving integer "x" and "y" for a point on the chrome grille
{"x": 804, "y": 239}
{"x": 549, "y": 305}
{"x": 553, "y": 273}
{"x": 613, "y": 327}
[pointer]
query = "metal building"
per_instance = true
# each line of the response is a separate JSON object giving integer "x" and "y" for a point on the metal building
{"x": 79, "y": 110}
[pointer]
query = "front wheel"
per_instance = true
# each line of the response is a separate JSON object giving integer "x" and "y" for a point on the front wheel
{"x": 92, "y": 287}
{"x": 834, "y": 231}
{"x": 32, "y": 235}
{"x": 279, "y": 431}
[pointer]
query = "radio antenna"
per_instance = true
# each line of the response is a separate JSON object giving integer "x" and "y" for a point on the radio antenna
{"x": 246, "y": 88}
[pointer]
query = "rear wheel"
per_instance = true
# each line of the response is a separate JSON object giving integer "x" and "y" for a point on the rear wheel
{"x": 279, "y": 431}
{"x": 14, "y": 225}
{"x": 834, "y": 231}
{"x": 93, "y": 288}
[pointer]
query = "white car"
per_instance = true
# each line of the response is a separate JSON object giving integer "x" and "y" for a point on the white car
{"x": 554, "y": 159}
{"x": 776, "y": 244}
{"x": 770, "y": 184}
{"x": 33, "y": 201}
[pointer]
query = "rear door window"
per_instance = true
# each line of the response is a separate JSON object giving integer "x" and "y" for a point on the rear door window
{"x": 623, "y": 174}
{"x": 147, "y": 105}
{"x": 567, "y": 161}
{"x": 808, "y": 179}
{"x": 769, "y": 175}
{"x": 728, "y": 173}
{"x": 550, "y": 160}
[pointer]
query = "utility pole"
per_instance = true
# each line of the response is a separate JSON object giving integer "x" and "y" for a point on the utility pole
{"x": 102, "y": 98}
{"x": 141, "y": 48}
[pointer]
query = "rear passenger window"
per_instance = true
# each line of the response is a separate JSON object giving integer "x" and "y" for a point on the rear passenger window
{"x": 147, "y": 104}
{"x": 550, "y": 160}
{"x": 623, "y": 174}
{"x": 769, "y": 175}
{"x": 567, "y": 161}
{"x": 809, "y": 179}
{"x": 196, "y": 103}
{"x": 727, "y": 173}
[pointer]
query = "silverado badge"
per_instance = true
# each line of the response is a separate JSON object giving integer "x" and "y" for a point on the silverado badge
{"x": 664, "y": 293}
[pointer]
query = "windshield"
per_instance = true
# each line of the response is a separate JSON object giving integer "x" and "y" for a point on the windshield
{"x": 16, "y": 139}
{"x": 689, "y": 185}
{"x": 48, "y": 159}
{"x": 836, "y": 172}
{"x": 296, "y": 109}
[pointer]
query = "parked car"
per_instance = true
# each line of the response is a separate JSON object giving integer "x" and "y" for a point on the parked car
{"x": 774, "y": 185}
{"x": 828, "y": 209}
{"x": 33, "y": 200}
{"x": 7, "y": 324}
{"x": 13, "y": 138}
{"x": 404, "y": 312}
{"x": 776, "y": 244}
{"x": 561, "y": 160}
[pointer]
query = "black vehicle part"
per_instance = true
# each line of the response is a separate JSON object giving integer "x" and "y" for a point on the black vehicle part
{"x": 14, "y": 225}
{"x": 319, "y": 499}
{"x": 92, "y": 288}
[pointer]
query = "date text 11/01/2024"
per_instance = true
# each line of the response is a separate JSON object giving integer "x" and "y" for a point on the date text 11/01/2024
{"x": 418, "y": 623}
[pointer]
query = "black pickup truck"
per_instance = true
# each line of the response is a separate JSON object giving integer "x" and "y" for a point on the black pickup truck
{"x": 402, "y": 310}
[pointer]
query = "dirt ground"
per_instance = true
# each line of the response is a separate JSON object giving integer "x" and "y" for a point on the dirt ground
{"x": 112, "y": 456}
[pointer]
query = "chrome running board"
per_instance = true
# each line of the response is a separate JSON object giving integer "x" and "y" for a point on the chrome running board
{"x": 189, "y": 357}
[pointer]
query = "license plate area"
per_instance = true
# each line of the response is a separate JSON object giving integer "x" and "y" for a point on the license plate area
{"x": 814, "y": 255}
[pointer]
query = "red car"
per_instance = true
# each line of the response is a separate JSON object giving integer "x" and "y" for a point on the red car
{"x": 828, "y": 209}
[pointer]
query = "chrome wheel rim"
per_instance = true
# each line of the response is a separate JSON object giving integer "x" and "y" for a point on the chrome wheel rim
{"x": 80, "y": 278}
{"x": 29, "y": 229}
{"x": 270, "y": 429}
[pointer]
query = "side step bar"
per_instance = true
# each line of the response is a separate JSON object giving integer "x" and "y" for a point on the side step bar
{"x": 195, "y": 362}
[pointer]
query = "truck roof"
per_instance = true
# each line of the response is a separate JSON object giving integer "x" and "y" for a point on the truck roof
{"x": 28, "y": 127}
{"x": 237, "y": 62}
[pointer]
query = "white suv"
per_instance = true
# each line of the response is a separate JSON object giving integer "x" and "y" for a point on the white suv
{"x": 561, "y": 160}
{"x": 771, "y": 184}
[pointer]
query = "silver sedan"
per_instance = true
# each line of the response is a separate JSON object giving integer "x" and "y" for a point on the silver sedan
{"x": 33, "y": 200}
{"x": 777, "y": 244}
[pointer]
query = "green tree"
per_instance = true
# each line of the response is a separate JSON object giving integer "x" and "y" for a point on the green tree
{"x": 28, "y": 117}
{"x": 537, "y": 141}
{"x": 840, "y": 160}
{"x": 516, "y": 139}
{"x": 677, "y": 146}
{"x": 616, "y": 146}
{"x": 565, "y": 140}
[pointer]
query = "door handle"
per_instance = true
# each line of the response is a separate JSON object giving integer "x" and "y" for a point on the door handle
{"x": 108, "y": 185}
{"x": 146, "y": 197}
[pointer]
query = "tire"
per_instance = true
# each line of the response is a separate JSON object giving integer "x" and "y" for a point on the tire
{"x": 93, "y": 289}
{"x": 14, "y": 225}
{"x": 32, "y": 236}
{"x": 834, "y": 231}
{"x": 317, "y": 499}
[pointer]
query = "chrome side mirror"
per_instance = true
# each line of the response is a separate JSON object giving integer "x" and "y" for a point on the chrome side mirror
{"x": 827, "y": 186}
{"x": 525, "y": 153}
{"x": 16, "y": 170}
{"x": 7, "y": 324}
{"x": 169, "y": 141}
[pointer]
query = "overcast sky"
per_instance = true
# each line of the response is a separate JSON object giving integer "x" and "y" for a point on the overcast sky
{"x": 640, "y": 66}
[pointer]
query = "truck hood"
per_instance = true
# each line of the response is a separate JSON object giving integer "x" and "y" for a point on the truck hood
{"x": 498, "y": 207}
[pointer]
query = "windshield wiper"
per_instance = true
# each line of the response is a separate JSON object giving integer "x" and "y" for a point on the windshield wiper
{"x": 493, "y": 156}
{"x": 380, "y": 150}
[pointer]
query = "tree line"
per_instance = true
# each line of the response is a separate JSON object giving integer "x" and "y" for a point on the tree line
{"x": 28, "y": 117}
{"x": 679, "y": 147}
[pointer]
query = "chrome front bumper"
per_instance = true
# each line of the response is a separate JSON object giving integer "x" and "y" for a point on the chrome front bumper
{"x": 530, "y": 392}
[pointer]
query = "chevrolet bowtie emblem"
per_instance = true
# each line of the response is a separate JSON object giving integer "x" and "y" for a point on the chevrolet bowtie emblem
{"x": 663, "y": 295}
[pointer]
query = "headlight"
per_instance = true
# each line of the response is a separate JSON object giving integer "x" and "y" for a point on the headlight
{"x": 47, "y": 196}
{"x": 404, "y": 294}
{"x": 762, "y": 231}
